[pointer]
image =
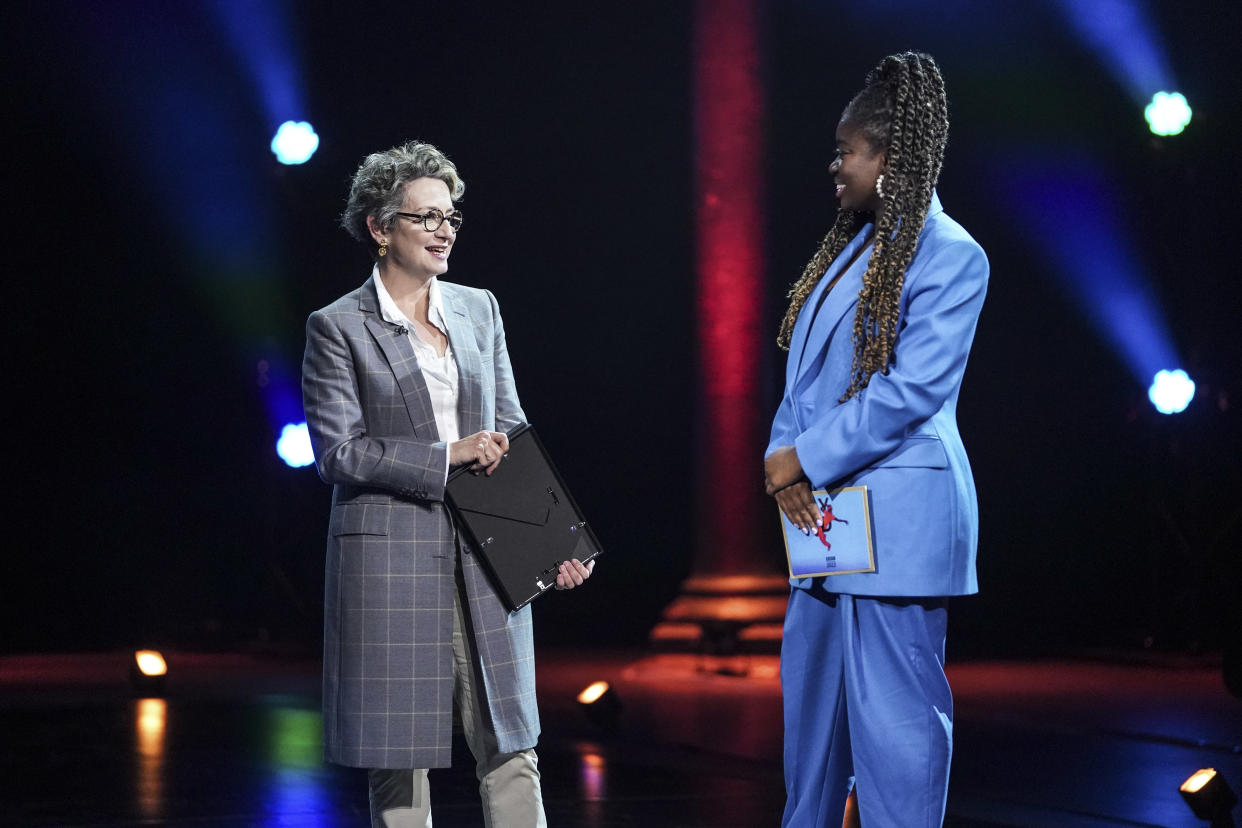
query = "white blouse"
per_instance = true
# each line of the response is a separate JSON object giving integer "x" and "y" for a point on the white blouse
{"x": 439, "y": 372}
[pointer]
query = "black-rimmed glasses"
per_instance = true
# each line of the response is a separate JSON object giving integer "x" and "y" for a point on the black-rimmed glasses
{"x": 433, "y": 218}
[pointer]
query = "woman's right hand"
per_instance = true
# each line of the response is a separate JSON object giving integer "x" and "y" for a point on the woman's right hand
{"x": 483, "y": 450}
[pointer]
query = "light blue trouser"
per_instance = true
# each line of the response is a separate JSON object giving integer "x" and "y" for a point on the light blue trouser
{"x": 866, "y": 704}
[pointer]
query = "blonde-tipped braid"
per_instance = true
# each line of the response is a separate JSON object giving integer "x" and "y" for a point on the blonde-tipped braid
{"x": 847, "y": 225}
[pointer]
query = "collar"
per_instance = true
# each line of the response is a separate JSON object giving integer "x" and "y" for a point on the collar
{"x": 391, "y": 313}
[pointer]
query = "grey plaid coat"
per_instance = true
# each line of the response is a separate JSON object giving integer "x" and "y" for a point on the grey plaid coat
{"x": 388, "y": 602}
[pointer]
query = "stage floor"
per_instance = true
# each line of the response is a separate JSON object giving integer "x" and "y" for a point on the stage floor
{"x": 234, "y": 741}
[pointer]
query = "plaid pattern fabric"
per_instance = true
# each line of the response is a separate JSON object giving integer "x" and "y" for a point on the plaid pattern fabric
{"x": 392, "y": 550}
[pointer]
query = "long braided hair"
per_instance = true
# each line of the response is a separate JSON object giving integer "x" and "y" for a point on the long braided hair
{"x": 902, "y": 110}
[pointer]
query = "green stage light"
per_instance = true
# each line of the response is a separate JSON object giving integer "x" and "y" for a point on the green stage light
{"x": 1168, "y": 113}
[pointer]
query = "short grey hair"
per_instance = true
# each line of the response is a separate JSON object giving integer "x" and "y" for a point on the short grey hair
{"x": 378, "y": 187}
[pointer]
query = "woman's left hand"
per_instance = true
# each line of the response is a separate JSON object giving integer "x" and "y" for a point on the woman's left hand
{"x": 781, "y": 468}
{"x": 573, "y": 573}
{"x": 798, "y": 504}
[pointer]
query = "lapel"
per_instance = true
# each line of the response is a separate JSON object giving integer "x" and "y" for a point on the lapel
{"x": 404, "y": 364}
{"x": 809, "y": 340}
{"x": 469, "y": 361}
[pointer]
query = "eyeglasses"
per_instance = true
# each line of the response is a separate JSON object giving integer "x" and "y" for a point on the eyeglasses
{"x": 433, "y": 218}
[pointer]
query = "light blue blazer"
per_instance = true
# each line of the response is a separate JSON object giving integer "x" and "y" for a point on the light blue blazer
{"x": 899, "y": 435}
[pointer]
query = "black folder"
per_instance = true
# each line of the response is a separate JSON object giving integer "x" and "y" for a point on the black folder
{"x": 521, "y": 520}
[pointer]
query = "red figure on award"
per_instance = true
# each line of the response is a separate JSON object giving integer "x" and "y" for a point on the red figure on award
{"x": 826, "y": 518}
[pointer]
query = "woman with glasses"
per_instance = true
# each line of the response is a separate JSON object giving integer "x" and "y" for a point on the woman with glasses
{"x": 878, "y": 330}
{"x": 403, "y": 379}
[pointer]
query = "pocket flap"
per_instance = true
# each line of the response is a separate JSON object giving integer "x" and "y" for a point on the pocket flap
{"x": 917, "y": 452}
{"x": 359, "y": 519}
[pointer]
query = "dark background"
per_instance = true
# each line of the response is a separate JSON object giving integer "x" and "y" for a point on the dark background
{"x": 161, "y": 265}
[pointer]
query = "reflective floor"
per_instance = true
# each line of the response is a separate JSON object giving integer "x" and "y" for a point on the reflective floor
{"x": 233, "y": 740}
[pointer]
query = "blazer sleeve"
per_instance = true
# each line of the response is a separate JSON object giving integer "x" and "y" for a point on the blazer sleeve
{"x": 345, "y": 452}
{"x": 509, "y": 414}
{"x": 782, "y": 433}
{"x": 946, "y": 293}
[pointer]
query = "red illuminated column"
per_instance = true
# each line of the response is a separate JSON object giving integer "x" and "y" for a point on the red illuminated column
{"x": 735, "y": 600}
{"x": 729, "y": 205}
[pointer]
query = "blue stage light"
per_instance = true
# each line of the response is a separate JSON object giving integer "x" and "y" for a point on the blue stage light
{"x": 295, "y": 142}
{"x": 1073, "y": 201}
{"x": 1171, "y": 391}
{"x": 1127, "y": 40}
{"x": 294, "y": 445}
{"x": 1168, "y": 113}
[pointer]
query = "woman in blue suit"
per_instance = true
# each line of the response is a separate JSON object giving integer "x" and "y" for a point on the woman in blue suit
{"x": 878, "y": 330}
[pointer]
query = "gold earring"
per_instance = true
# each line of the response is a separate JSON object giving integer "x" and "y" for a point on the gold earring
{"x": 383, "y": 248}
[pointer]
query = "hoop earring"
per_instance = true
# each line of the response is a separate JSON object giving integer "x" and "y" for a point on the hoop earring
{"x": 383, "y": 248}
{"x": 879, "y": 185}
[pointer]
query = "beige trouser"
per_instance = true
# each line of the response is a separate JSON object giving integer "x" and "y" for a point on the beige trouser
{"x": 508, "y": 782}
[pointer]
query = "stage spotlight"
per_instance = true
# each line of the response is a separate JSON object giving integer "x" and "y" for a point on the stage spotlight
{"x": 1171, "y": 391}
{"x": 295, "y": 142}
{"x": 294, "y": 445}
{"x": 1210, "y": 797}
{"x": 601, "y": 705}
{"x": 1168, "y": 113}
{"x": 593, "y": 692}
{"x": 147, "y": 670}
